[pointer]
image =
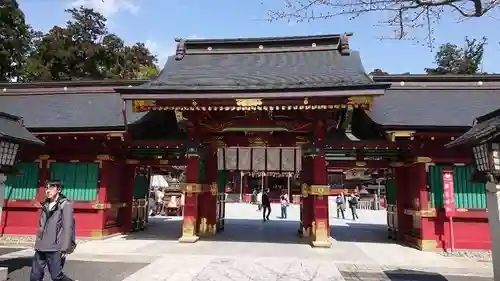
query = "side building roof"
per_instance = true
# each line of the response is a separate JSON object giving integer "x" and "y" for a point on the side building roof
{"x": 427, "y": 101}
{"x": 67, "y": 106}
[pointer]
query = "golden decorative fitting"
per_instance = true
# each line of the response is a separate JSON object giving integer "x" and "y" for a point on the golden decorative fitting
{"x": 306, "y": 101}
{"x": 248, "y": 102}
{"x": 132, "y": 162}
{"x": 116, "y": 135}
{"x": 105, "y": 157}
{"x": 396, "y": 164}
{"x": 99, "y": 206}
{"x": 423, "y": 160}
{"x": 191, "y": 187}
{"x": 365, "y": 101}
{"x": 319, "y": 190}
{"x": 360, "y": 163}
{"x": 305, "y": 190}
{"x": 399, "y": 134}
{"x": 74, "y": 161}
{"x": 429, "y": 213}
{"x": 143, "y": 105}
{"x": 99, "y": 162}
{"x": 44, "y": 157}
{"x": 213, "y": 189}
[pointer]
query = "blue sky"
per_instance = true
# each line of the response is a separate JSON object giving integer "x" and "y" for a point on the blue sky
{"x": 157, "y": 22}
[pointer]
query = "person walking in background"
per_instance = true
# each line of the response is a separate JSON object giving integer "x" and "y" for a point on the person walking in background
{"x": 340, "y": 201}
{"x": 266, "y": 205}
{"x": 353, "y": 205}
{"x": 284, "y": 204}
{"x": 159, "y": 201}
{"x": 56, "y": 235}
{"x": 259, "y": 200}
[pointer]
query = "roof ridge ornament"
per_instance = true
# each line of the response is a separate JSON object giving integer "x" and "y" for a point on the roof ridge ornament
{"x": 181, "y": 50}
{"x": 344, "y": 45}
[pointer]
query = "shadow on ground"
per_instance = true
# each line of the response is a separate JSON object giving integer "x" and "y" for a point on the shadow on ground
{"x": 252, "y": 230}
{"x": 360, "y": 232}
{"x": 19, "y": 270}
{"x": 408, "y": 275}
{"x": 235, "y": 230}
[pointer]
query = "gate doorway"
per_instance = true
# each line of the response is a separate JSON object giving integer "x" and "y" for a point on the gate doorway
{"x": 249, "y": 172}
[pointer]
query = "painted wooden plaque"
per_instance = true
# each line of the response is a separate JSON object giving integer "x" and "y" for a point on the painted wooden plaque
{"x": 298, "y": 159}
{"x": 244, "y": 161}
{"x": 288, "y": 159}
{"x": 259, "y": 159}
{"x": 273, "y": 158}
{"x": 220, "y": 158}
{"x": 231, "y": 158}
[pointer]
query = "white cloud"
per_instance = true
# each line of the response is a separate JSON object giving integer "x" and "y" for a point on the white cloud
{"x": 162, "y": 51}
{"x": 108, "y": 7}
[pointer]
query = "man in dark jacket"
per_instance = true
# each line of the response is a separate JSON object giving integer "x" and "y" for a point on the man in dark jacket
{"x": 266, "y": 205}
{"x": 55, "y": 237}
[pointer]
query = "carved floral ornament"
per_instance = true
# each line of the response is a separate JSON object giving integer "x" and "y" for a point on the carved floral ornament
{"x": 254, "y": 105}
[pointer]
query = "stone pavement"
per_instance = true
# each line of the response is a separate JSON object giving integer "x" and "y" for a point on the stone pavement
{"x": 250, "y": 249}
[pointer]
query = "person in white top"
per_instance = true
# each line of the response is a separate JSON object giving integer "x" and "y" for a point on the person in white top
{"x": 259, "y": 200}
{"x": 159, "y": 200}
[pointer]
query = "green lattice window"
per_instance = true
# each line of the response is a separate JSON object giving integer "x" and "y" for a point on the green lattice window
{"x": 80, "y": 180}
{"x": 24, "y": 186}
{"x": 467, "y": 194}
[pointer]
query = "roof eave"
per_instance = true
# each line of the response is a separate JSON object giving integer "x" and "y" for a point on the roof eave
{"x": 158, "y": 94}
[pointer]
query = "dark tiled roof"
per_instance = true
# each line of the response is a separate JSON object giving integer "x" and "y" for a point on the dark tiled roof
{"x": 261, "y": 71}
{"x": 59, "y": 111}
{"x": 433, "y": 107}
{"x": 484, "y": 130}
{"x": 11, "y": 128}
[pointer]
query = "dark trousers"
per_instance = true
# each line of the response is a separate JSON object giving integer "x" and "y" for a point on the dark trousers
{"x": 354, "y": 213}
{"x": 340, "y": 211}
{"x": 283, "y": 212}
{"x": 266, "y": 211}
{"x": 55, "y": 263}
{"x": 159, "y": 207}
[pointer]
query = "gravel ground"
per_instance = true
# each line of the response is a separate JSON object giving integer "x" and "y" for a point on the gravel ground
{"x": 474, "y": 255}
{"x": 19, "y": 270}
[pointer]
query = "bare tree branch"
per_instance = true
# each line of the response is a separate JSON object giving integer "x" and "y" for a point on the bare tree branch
{"x": 402, "y": 15}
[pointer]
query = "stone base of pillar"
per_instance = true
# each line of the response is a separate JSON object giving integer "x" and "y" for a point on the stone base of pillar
{"x": 322, "y": 243}
{"x": 306, "y": 232}
{"x": 189, "y": 239}
{"x": 206, "y": 229}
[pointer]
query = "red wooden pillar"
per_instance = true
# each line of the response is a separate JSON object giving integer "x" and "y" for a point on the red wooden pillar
{"x": 320, "y": 190}
{"x": 43, "y": 175}
{"x": 105, "y": 179}
{"x": 125, "y": 214}
{"x": 426, "y": 230}
{"x": 192, "y": 189}
{"x": 208, "y": 198}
